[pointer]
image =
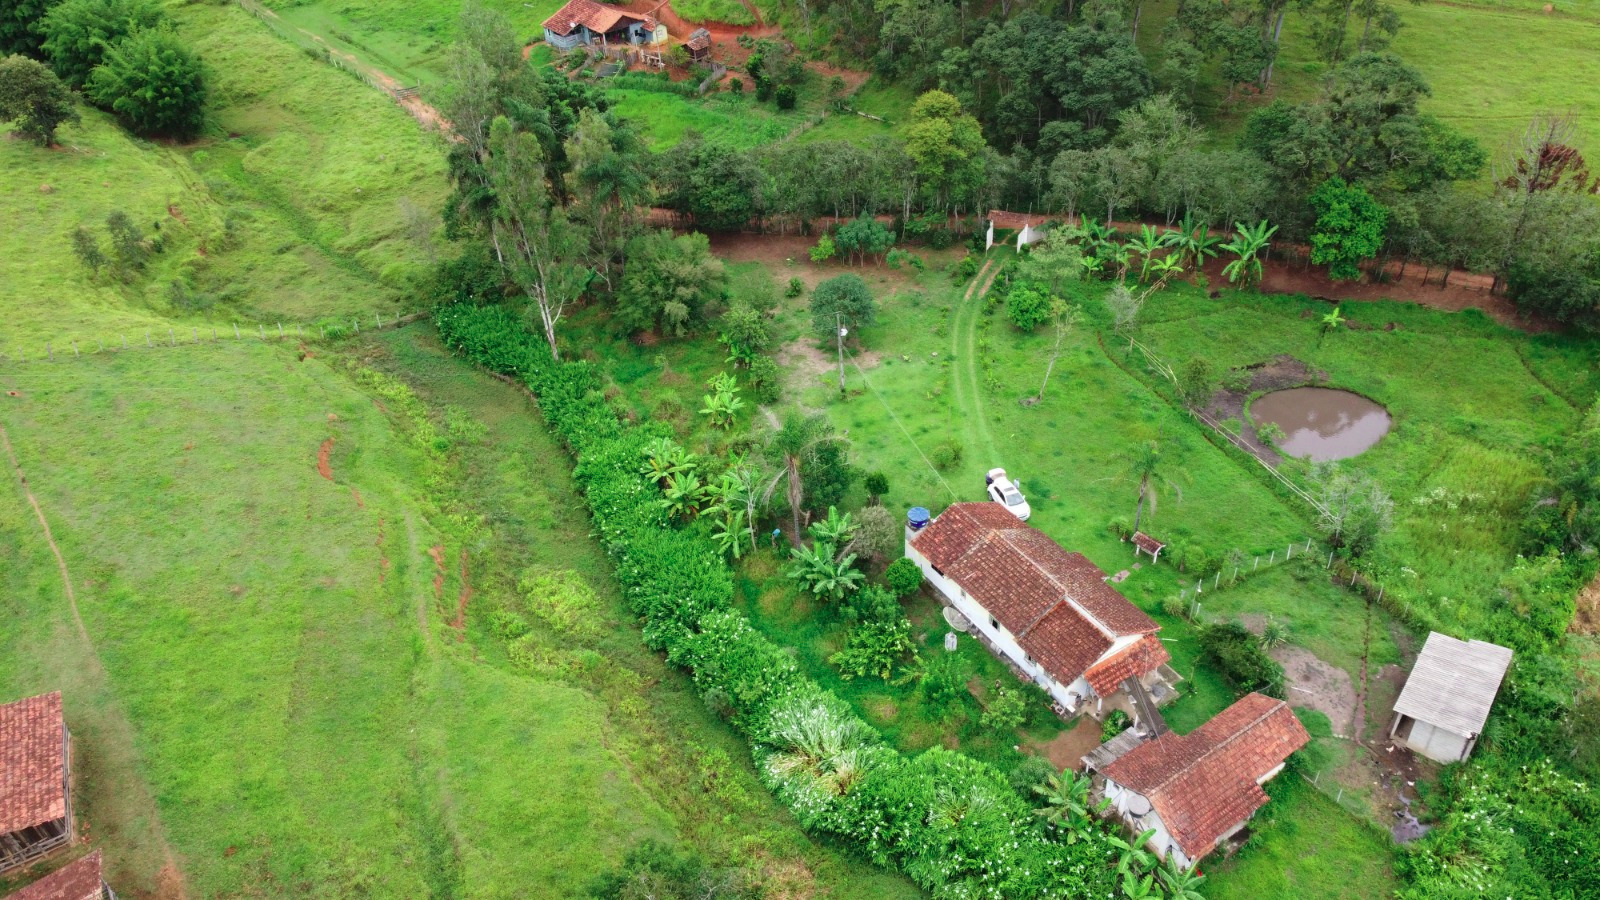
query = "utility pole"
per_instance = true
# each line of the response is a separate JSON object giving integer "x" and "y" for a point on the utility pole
{"x": 838, "y": 320}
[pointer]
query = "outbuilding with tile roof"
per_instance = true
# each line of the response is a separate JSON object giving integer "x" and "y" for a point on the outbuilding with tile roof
{"x": 1046, "y": 609}
{"x": 1196, "y": 790}
{"x": 35, "y": 780}
{"x": 82, "y": 879}
{"x": 589, "y": 22}
{"x": 1447, "y": 697}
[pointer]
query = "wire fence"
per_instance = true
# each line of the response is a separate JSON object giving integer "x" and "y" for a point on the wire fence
{"x": 176, "y": 336}
{"x": 1164, "y": 369}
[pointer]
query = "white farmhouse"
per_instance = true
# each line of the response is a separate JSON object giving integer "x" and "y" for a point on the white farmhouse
{"x": 1196, "y": 790}
{"x": 1447, "y": 697}
{"x": 1048, "y": 610}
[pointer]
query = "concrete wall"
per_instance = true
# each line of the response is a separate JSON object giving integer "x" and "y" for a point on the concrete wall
{"x": 564, "y": 43}
{"x": 1161, "y": 842}
{"x": 1437, "y": 744}
{"x": 1072, "y": 696}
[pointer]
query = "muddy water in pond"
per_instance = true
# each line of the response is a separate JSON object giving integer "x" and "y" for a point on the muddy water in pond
{"x": 1322, "y": 423}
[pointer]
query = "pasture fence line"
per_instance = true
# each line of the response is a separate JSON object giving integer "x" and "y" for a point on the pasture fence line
{"x": 192, "y": 334}
{"x": 1165, "y": 370}
{"x": 314, "y": 44}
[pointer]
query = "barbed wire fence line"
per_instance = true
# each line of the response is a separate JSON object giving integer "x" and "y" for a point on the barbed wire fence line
{"x": 176, "y": 336}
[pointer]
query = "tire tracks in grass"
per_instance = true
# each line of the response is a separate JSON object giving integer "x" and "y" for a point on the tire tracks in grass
{"x": 119, "y": 753}
{"x": 964, "y": 347}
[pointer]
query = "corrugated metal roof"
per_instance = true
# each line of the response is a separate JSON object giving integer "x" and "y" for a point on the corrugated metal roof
{"x": 1454, "y": 683}
{"x": 1112, "y": 750}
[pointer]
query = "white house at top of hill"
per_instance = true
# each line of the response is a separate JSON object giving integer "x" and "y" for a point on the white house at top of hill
{"x": 1048, "y": 610}
{"x": 588, "y": 22}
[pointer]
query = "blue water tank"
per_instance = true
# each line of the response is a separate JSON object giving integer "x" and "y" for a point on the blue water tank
{"x": 917, "y": 519}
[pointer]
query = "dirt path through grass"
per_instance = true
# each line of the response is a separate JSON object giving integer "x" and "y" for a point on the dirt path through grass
{"x": 969, "y": 404}
{"x": 98, "y": 714}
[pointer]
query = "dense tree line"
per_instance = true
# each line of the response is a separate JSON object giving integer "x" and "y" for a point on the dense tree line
{"x": 124, "y": 55}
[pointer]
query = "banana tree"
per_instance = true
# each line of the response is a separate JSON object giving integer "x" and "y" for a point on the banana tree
{"x": 683, "y": 495}
{"x": 1066, "y": 804}
{"x": 837, "y": 529}
{"x": 1180, "y": 883}
{"x": 1247, "y": 245}
{"x": 665, "y": 458}
{"x": 729, "y": 531}
{"x": 1133, "y": 859}
{"x": 824, "y": 575}
{"x": 1146, "y": 243}
{"x": 1331, "y": 321}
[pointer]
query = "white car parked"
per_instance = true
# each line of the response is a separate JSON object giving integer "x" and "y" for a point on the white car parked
{"x": 1003, "y": 492}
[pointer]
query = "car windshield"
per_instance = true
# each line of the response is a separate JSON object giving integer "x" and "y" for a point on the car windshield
{"x": 1013, "y": 498}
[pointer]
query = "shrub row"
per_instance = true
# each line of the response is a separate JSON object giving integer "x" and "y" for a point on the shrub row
{"x": 950, "y": 823}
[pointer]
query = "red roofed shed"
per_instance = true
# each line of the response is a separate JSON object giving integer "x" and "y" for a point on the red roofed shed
{"x": 1197, "y": 789}
{"x": 81, "y": 880}
{"x": 35, "y": 779}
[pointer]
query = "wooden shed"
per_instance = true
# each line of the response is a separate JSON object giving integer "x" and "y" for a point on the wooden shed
{"x": 80, "y": 880}
{"x": 1447, "y": 697}
{"x": 35, "y": 780}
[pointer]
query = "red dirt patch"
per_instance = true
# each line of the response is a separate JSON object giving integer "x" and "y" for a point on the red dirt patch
{"x": 437, "y": 552}
{"x": 324, "y": 467}
{"x": 466, "y": 594}
{"x": 357, "y": 494}
{"x": 176, "y": 213}
{"x": 1069, "y": 747}
{"x": 1586, "y": 619}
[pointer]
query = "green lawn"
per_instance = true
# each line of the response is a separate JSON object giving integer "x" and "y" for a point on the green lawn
{"x": 730, "y": 11}
{"x": 722, "y": 118}
{"x": 1304, "y": 845}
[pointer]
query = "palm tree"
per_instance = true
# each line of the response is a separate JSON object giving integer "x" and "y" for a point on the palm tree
{"x": 1247, "y": 245}
{"x": 792, "y": 447}
{"x": 812, "y": 741}
{"x": 1144, "y": 465}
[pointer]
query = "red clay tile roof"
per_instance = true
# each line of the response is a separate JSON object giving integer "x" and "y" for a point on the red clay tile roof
{"x": 81, "y": 880}
{"x": 32, "y": 765}
{"x": 1055, "y": 602}
{"x": 1205, "y": 782}
{"x": 1144, "y": 655}
{"x": 597, "y": 17}
{"x": 1147, "y": 543}
{"x": 699, "y": 39}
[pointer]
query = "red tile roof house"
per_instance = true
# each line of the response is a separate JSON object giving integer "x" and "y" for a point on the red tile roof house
{"x": 588, "y": 22}
{"x": 1196, "y": 790}
{"x": 1049, "y": 611}
{"x": 81, "y": 880}
{"x": 35, "y": 780}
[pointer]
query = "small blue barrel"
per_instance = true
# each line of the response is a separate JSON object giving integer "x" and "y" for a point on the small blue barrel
{"x": 917, "y": 519}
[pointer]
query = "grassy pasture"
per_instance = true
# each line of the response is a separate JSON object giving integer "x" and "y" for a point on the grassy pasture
{"x": 1445, "y": 41}
{"x": 731, "y": 12}
{"x": 297, "y": 203}
{"x": 286, "y": 706}
{"x": 722, "y": 118}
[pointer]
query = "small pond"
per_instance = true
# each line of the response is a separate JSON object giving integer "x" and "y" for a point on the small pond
{"x": 1322, "y": 423}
